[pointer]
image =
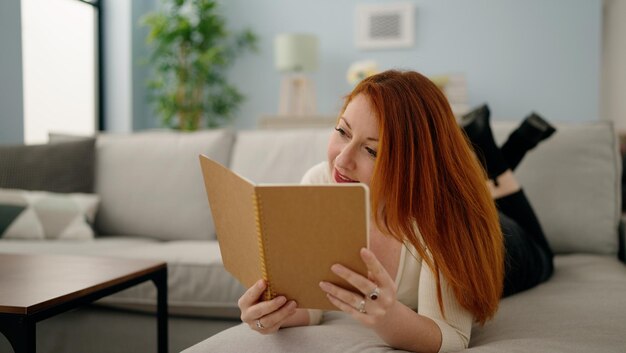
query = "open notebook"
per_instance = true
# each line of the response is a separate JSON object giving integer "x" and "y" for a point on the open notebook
{"x": 289, "y": 235}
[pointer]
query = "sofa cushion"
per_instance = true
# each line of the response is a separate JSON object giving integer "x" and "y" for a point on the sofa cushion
{"x": 47, "y": 215}
{"x": 581, "y": 309}
{"x": 151, "y": 184}
{"x": 571, "y": 179}
{"x": 59, "y": 167}
{"x": 198, "y": 284}
{"x": 278, "y": 156}
{"x": 573, "y": 182}
{"x": 100, "y": 246}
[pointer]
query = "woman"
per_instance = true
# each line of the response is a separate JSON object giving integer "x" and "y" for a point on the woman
{"x": 436, "y": 258}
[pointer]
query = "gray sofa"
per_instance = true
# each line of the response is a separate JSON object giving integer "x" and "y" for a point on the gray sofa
{"x": 153, "y": 205}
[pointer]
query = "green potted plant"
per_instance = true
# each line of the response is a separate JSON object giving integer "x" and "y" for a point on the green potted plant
{"x": 191, "y": 52}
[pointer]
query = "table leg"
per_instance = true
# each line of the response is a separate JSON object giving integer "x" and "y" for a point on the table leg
{"x": 20, "y": 332}
{"x": 160, "y": 281}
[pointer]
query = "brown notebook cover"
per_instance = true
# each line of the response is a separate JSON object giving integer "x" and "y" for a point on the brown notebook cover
{"x": 288, "y": 235}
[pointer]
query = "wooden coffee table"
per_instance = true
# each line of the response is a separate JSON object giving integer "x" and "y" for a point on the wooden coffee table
{"x": 36, "y": 287}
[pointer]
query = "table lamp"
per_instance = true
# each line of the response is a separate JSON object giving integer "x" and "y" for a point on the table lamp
{"x": 296, "y": 55}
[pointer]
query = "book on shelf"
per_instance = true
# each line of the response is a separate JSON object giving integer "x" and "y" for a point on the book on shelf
{"x": 288, "y": 235}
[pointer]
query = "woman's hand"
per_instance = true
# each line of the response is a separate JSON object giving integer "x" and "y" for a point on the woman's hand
{"x": 264, "y": 316}
{"x": 377, "y": 292}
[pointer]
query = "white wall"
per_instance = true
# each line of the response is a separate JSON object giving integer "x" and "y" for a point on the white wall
{"x": 11, "y": 100}
{"x": 118, "y": 66}
{"x": 518, "y": 56}
{"x": 614, "y": 64}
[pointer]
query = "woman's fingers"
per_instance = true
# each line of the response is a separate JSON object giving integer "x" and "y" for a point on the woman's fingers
{"x": 378, "y": 276}
{"x": 376, "y": 292}
{"x": 344, "y": 295}
{"x": 343, "y": 306}
{"x": 365, "y": 311}
{"x": 272, "y": 321}
{"x": 262, "y": 309}
{"x": 377, "y": 271}
{"x": 359, "y": 282}
{"x": 252, "y": 295}
{"x": 271, "y": 313}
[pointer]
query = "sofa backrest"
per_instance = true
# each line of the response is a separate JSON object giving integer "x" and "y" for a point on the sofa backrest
{"x": 278, "y": 156}
{"x": 572, "y": 179}
{"x": 151, "y": 185}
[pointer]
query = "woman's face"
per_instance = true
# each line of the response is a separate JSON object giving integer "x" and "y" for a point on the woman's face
{"x": 354, "y": 143}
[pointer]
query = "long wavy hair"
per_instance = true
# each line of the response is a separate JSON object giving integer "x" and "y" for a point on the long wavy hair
{"x": 426, "y": 175}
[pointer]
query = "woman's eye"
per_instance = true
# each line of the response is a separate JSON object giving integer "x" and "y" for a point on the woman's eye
{"x": 371, "y": 152}
{"x": 340, "y": 131}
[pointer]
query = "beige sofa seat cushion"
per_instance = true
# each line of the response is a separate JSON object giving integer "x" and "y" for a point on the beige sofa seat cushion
{"x": 101, "y": 246}
{"x": 151, "y": 185}
{"x": 581, "y": 309}
{"x": 198, "y": 284}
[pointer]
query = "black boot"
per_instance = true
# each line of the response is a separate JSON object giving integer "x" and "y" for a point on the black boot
{"x": 527, "y": 136}
{"x": 476, "y": 127}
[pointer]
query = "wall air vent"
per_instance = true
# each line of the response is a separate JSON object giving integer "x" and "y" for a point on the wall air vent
{"x": 385, "y": 26}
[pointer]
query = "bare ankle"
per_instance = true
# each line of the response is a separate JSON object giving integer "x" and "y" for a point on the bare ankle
{"x": 507, "y": 184}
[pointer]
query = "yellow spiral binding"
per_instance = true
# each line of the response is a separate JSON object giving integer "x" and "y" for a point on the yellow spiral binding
{"x": 268, "y": 294}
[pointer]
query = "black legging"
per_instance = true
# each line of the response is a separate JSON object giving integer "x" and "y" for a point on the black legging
{"x": 528, "y": 260}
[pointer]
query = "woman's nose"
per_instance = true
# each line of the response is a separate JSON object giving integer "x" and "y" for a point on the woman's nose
{"x": 345, "y": 158}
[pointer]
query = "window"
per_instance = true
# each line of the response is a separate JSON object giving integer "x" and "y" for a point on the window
{"x": 60, "y": 68}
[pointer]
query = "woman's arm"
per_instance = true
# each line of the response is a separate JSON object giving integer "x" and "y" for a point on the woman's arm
{"x": 455, "y": 323}
{"x": 396, "y": 324}
{"x": 403, "y": 328}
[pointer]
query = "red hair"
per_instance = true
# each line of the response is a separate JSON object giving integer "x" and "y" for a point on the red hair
{"x": 426, "y": 174}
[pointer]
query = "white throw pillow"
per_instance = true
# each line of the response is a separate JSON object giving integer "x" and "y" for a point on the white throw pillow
{"x": 46, "y": 215}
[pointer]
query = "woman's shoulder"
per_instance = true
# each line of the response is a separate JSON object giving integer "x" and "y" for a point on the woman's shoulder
{"x": 318, "y": 174}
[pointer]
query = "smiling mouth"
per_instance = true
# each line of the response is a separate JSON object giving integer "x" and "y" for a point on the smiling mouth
{"x": 343, "y": 179}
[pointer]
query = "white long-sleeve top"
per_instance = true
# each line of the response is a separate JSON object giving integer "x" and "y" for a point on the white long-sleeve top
{"x": 416, "y": 286}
